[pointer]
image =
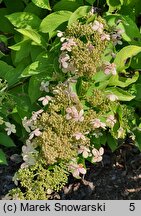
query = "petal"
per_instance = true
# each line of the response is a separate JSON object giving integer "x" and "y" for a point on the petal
{"x": 76, "y": 173}
{"x": 85, "y": 154}
{"x": 68, "y": 117}
{"x": 95, "y": 152}
{"x": 94, "y": 159}
{"x": 101, "y": 151}
{"x": 99, "y": 159}
{"x": 45, "y": 102}
{"x": 82, "y": 170}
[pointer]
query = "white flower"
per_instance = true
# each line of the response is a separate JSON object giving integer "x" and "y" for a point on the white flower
{"x": 84, "y": 151}
{"x": 77, "y": 169}
{"x": 97, "y": 26}
{"x": 112, "y": 97}
{"x": 45, "y": 100}
{"x": 96, "y": 123}
{"x": 110, "y": 68}
{"x": 97, "y": 155}
{"x": 79, "y": 136}
{"x": 72, "y": 113}
{"x": 111, "y": 120}
{"x": 27, "y": 123}
{"x": 10, "y": 128}
{"x": 27, "y": 153}
{"x": 36, "y": 132}
{"x": 105, "y": 37}
{"x": 68, "y": 45}
{"x": 63, "y": 59}
{"x": 59, "y": 34}
{"x": 44, "y": 86}
{"x": 36, "y": 114}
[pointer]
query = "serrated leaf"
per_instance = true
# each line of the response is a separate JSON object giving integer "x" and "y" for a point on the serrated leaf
{"x": 33, "y": 35}
{"x": 121, "y": 94}
{"x": 24, "y": 20}
{"x": 53, "y": 20}
{"x": 80, "y": 12}
{"x": 42, "y": 4}
{"x": 3, "y": 158}
{"x": 124, "y": 54}
{"x": 5, "y": 140}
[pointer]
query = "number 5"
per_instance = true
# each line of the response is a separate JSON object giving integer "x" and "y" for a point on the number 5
{"x": 132, "y": 207}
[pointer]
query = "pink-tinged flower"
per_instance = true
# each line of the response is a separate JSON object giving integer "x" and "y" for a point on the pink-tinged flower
{"x": 77, "y": 169}
{"x": 27, "y": 153}
{"x": 70, "y": 68}
{"x": 110, "y": 68}
{"x": 84, "y": 151}
{"x": 97, "y": 155}
{"x": 97, "y": 26}
{"x": 90, "y": 47}
{"x": 10, "y": 128}
{"x": 45, "y": 100}
{"x": 79, "y": 136}
{"x": 96, "y": 123}
{"x": 68, "y": 45}
{"x": 72, "y": 113}
{"x": 105, "y": 37}
{"x": 111, "y": 120}
{"x": 36, "y": 114}
{"x": 112, "y": 97}
{"x": 27, "y": 124}
{"x": 36, "y": 133}
{"x": 63, "y": 60}
{"x": 44, "y": 86}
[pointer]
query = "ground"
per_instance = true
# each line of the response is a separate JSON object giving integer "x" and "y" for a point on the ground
{"x": 117, "y": 177}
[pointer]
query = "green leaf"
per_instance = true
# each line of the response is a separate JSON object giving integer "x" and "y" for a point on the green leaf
{"x": 24, "y": 20}
{"x": 5, "y": 140}
{"x": 54, "y": 20}
{"x": 32, "y": 69}
{"x": 32, "y": 8}
{"x": 124, "y": 54}
{"x": 138, "y": 138}
{"x": 43, "y": 63}
{"x": 80, "y": 12}
{"x": 22, "y": 48}
{"x": 42, "y": 4}
{"x": 90, "y": 1}
{"x": 5, "y": 25}
{"x": 112, "y": 143}
{"x": 15, "y": 6}
{"x": 68, "y": 5}
{"x": 34, "y": 83}
{"x": 33, "y": 35}
{"x": 3, "y": 158}
{"x": 121, "y": 94}
{"x": 131, "y": 32}
{"x": 23, "y": 104}
{"x": 123, "y": 81}
{"x": 4, "y": 68}
{"x": 114, "y": 5}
